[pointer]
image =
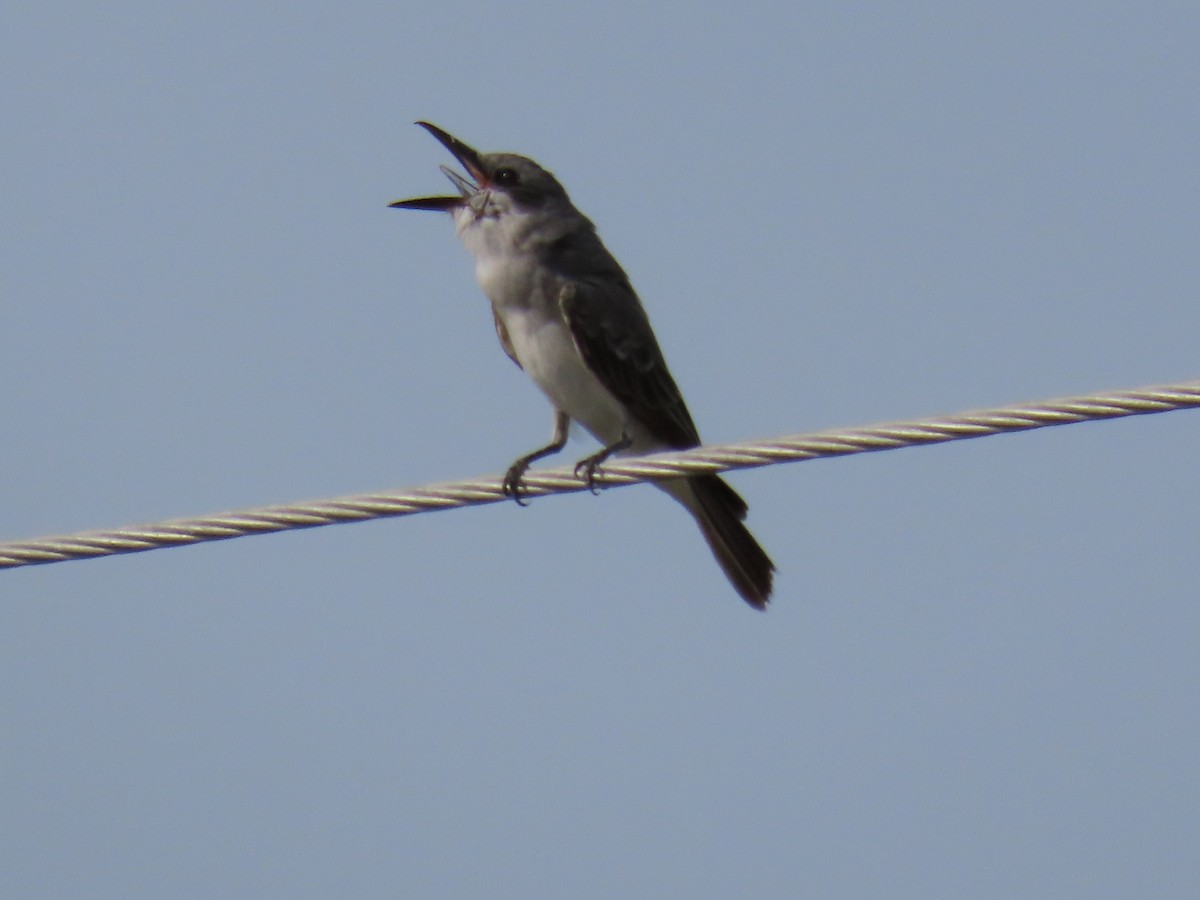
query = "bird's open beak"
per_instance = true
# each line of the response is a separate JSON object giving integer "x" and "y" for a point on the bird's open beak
{"x": 470, "y": 160}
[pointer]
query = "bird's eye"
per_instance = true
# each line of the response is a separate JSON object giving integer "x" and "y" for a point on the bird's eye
{"x": 505, "y": 176}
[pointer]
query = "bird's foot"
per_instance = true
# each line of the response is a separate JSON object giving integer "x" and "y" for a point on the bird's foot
{"x": 586, "y": 467}
{"x": 511, "y": 486}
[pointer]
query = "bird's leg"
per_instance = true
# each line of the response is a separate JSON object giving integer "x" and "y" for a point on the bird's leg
{"x": 512, "y": 478}
{"x": 588, "y": 465}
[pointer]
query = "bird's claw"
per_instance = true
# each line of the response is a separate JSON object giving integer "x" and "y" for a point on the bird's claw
{"x": 511, "y": 485}
{"x": 585, "y": 470}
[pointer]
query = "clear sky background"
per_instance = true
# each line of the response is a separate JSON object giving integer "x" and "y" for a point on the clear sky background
{"x": 980, "y": 672}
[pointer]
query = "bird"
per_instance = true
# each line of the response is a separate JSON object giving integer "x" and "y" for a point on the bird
{"x": 567, "y": 314}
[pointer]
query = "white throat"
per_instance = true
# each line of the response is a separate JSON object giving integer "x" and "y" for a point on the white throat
{"x": 503, "y": 240}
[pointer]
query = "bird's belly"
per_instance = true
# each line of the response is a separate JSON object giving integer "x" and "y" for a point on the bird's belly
{"x": 544, "y": 348}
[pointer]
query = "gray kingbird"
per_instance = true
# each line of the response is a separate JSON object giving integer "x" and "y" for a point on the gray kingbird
{"x": 566, "y": 313}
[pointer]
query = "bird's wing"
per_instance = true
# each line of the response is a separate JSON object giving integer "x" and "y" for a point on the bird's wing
{"x": 613, "y": 335}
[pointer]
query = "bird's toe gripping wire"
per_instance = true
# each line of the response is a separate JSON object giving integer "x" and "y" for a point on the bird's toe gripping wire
{"x": 511, "y": 485}
{"x": 586, "y": 467}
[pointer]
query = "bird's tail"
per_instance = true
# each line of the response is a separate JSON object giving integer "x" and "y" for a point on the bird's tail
{"x": 719, "y": 511}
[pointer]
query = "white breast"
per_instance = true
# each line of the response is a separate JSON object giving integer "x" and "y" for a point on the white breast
{"x": 525, "y": 299}
{"x": 546, "y": 352}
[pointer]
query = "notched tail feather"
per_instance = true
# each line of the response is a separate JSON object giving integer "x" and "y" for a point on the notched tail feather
{"x": 720, "y": 513}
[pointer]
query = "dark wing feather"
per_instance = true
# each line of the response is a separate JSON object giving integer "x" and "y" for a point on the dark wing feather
{"x": 613, "y": 334}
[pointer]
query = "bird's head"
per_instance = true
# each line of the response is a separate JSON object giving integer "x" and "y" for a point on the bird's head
{"x": 496, "y": 183}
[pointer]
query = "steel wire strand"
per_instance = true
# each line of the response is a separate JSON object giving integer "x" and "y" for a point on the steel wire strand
{"x": 706, "y": 459}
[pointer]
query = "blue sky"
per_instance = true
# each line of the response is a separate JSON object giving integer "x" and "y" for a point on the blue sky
{"x": 979, "y": 673}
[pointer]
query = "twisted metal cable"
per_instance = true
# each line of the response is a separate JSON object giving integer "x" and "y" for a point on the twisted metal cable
{"x": 716, "y": 458}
